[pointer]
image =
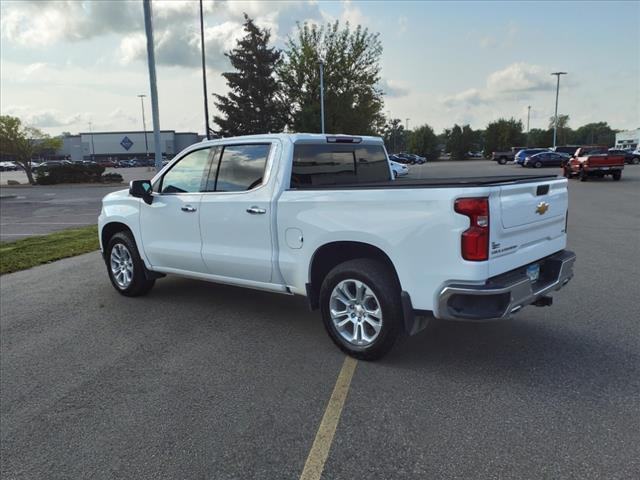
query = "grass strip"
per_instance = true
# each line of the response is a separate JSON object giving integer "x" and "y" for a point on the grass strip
{"x": 29, "y": 252}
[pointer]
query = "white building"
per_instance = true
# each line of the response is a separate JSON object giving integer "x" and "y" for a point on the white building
{"x": 124, "y": 145}
{"x": 628, "y": 140}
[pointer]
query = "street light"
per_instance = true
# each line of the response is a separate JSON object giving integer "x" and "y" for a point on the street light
{"x": 528, "y": 117}
{"x": 555, "y": 119}
{"x": 204, "y": 76}
{"x": 144, "y": 127}
{"x": 321, "y": 65}
{"x": 93, "y": 147}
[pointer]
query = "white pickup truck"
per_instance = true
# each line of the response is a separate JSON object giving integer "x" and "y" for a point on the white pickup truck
{"x": 321, "y": 216}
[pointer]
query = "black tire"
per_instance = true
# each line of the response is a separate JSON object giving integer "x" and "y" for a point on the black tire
{"x": 538, "y": 164}
{"x": 385, "y": 287}
{"x": 617, "y": 175}
{"x": 635, "y": 160}
{"x": 140, "y": 284}
{"x": 502, "y": 160}
{"x": 583, "y": 176}
{"x": 567, "y": 172}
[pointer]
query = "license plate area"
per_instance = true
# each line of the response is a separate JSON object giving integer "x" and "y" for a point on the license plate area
{"x": 533, "y": 272}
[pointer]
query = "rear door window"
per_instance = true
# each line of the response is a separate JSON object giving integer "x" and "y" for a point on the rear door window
{"x": 241, "y": 168}
{"x": 331, "y": 164}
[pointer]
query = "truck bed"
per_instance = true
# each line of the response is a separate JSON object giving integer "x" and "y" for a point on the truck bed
{"x": 482, "y": 181}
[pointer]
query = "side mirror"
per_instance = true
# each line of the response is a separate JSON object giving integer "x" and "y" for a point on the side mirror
{"x": 141, "y": 189}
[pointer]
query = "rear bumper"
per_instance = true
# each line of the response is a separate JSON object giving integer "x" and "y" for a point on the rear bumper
{"x": 507, "y": 293}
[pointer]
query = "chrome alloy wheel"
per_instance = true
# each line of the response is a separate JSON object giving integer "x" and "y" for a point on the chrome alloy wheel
{"x": 121, "y": 265}
{"x": 355, "y": 312}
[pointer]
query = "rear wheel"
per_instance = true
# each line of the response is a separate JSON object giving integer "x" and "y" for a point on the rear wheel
{"x": 125, "y": 266}
{"x": 635, "y": 160}
{"x": 567, "y": 172}
{"x": 537, "y": 164}
{"x": 361, "y": 308}
{"x": 617, "y": 175}
{"x": 583, "y": 176}
{"x": 502, "y": 160}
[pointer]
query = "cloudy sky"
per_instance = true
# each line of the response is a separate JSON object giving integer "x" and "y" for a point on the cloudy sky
{"x": 67, "y": 63}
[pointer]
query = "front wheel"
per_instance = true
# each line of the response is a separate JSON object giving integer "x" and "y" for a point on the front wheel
{"x": 635, "y": 160}
{"x": 361, "y": 308}
{"x": 502, "y": 161}
{"x": 125, "y": 266}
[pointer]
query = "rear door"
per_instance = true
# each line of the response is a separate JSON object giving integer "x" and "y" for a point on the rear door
{"x": 236, "y": 213}
{"x": 528, "y": 222}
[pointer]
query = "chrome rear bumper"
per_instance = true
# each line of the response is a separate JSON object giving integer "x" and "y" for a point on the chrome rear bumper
{"x": 507, "y": 293}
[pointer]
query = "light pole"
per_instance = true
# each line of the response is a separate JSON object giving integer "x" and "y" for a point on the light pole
{"x": 528, "y": 117}
{"x": 151, "y": 60}
{"x": 93, "y": 147}
{"x": 321, "y": 64}
{"x": 144, "y": 128}
{"x": 555, "y": 118}
{"x": 204, "y": 75}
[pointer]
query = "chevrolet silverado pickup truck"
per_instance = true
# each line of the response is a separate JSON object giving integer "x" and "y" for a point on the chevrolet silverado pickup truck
{"x": 594, "y": 162}
{"x": 321, "y": 216}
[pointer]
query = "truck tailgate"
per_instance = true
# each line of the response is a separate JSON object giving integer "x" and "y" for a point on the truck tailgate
{"x": 531, "y": 225}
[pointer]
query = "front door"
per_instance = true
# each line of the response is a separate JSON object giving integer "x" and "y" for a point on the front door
{"x": 235, "y": 214}
{"x": 170, "y": 226}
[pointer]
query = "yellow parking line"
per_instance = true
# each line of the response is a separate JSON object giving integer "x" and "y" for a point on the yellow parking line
{"x": 324, "y": 437}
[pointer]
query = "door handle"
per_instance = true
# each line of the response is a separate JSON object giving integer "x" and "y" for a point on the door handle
{"x": 188, "y": 208}
{"x": 256, "y": 210}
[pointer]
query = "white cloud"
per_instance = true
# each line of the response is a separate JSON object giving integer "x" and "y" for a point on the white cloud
{"x": 393, "y": 88}
{"x": 518, "y": 80}
{"x": 45, "y": 118}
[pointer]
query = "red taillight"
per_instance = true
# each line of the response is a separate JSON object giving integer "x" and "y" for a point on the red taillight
{"x": 475, "y": 240}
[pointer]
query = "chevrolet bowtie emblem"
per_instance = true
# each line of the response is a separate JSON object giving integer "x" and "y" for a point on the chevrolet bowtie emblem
{"x": 542, "y": 208}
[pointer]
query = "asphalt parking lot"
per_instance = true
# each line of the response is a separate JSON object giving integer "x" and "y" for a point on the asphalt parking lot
{"x": 198, "y": 380}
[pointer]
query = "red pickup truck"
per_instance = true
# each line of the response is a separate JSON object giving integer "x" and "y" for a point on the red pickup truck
{"x": 595, "y": 161}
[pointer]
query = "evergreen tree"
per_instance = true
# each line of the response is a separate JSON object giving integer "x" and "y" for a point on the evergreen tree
{"x": 254, "y": 103}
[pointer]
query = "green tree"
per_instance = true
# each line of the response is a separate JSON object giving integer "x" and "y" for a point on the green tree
{"x": 396, "y": 138}
{"x": 21, "y": 143}
{"x": 424, "y": 141}
{"x": 351, "y": 57}
{"x": 254, "y": 103}
{"x": 598, "y": 133}
{"x": 540, "y": 138}
{"x": 503, "y": 134}
{"x": 460, "y": 140}
{"x": 564, "y": 131}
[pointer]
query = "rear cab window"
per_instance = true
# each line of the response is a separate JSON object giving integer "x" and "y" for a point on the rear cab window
{"x": 325, "y": 165}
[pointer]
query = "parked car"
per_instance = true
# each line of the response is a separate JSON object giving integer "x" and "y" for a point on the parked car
{"x": 107, "y": 163}
{"x": 8, "y": 167}
{"x": 546, "y": 159}
{"x": 568, "y": 149}
{"x": 417, "y": 158}
{"x": 474, "y": 154}
{"x": 630, "y": 156}
{"x": 527, "y": 152}
{"x": 594, "y": 161}
{"x": 399, "y": 170}
{"x": 502, "y": 157}
{"x": 50, "y": 164}
{"x": 315, "y": 227}
{"x": 400, "y": 158}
